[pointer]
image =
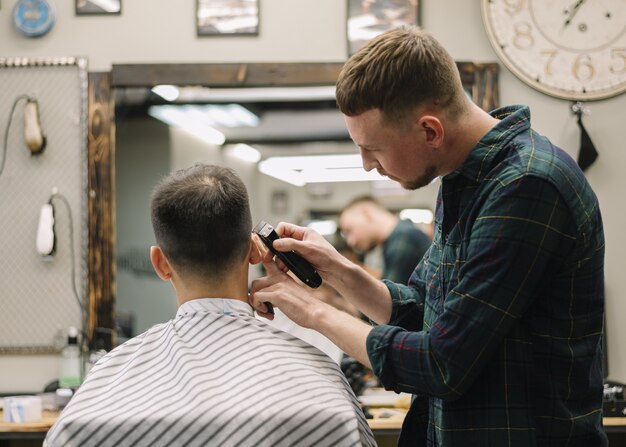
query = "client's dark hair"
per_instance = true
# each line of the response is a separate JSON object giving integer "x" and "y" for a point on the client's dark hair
{"x": 201, "y": 219}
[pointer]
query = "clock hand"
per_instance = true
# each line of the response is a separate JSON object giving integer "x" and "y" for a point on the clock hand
{"x": 572, "y": 12}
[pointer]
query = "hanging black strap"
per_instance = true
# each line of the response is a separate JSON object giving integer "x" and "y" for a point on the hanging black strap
{"x": 588, "y": 153}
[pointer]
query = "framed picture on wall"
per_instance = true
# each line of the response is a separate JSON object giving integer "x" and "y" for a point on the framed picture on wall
{"x": 369, "y": 18}
{"x": 98, "y": 7}
{"x": 227, "y": 17}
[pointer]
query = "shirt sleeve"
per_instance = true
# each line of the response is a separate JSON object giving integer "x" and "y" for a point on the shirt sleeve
{"x": 516, "y": 238}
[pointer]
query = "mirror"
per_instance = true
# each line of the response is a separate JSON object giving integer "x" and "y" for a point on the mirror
{"x": 292, "y": 113}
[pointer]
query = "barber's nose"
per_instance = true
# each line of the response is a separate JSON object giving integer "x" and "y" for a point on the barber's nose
{"x": 368, "y": 162}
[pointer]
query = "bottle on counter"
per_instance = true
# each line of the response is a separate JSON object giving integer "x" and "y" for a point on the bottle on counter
{"x": 70, "y": 371}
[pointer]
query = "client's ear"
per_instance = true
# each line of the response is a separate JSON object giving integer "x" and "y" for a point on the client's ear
{"x": 160, "y": 263}
{"x": 256, "y": 250}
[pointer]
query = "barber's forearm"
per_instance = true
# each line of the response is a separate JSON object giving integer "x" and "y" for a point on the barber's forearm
{"x": 347, "y": 332}
{"x": 368, "y": 294}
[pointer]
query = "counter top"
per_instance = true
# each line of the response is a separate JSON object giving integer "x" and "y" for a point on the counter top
{"x": 384, "y": 419}
{"x": 49, "y": 417}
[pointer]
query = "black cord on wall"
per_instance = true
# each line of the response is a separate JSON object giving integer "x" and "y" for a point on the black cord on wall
{"x": 81, "y": 304}
{"x": 5, "y": 140}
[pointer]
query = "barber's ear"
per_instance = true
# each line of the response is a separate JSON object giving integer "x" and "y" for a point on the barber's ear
{"x": 433, "y": 129}
{"x": 160, "y": 263}
{"x": 257, "y": 250}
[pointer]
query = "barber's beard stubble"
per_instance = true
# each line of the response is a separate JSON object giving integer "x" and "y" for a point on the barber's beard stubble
{"x": 428, "y": 176}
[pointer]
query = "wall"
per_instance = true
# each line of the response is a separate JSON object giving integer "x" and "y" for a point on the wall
{"x": 307, "y": 31}
{"x": 142, "y": 158}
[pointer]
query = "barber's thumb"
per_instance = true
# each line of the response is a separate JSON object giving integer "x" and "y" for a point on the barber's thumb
{"x": 285, "y": 244}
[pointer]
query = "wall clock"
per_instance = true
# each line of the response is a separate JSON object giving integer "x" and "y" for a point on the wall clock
{"x": 33, "y": 18}
{"x": 570, "y": 49}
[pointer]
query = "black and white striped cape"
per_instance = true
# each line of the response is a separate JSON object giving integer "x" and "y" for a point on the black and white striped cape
{"x": 214, "y": 375}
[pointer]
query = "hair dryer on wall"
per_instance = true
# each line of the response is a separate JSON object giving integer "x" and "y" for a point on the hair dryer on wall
{"x": 45, "y": 231}
{"x": 33, "y": 134}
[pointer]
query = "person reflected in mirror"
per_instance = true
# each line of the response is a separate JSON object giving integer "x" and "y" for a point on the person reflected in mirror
{"x": 366, "y": 224}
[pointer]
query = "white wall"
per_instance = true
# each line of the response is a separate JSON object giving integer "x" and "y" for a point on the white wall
{"x": 164, "y": 31}
{"x": 314, "y": 31}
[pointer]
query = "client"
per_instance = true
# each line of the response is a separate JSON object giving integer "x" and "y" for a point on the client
{"x": 214, "y": 375}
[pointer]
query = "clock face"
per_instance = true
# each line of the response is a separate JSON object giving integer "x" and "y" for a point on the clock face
{"x": 33, "y": 18}
{"x": 572, "y": 49}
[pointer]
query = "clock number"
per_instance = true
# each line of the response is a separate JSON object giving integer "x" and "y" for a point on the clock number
{"x": 583, "y": 68}
{"x": 570, "y": 49}
{"x": 513, "y": 7}
{"x": 620, "y": 55}
{"x": 523, "y": 38}
{"x": 550, "y": 54}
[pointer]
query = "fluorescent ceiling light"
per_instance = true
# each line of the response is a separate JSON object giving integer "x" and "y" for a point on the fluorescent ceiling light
{"x": 323, "y": 227}
{"x": 188, "y": 121}
{"x": 417, "y": 215}
{"x": 215, "y": 115}
{"x": 256, "y": 94}
{"x": 318, "y": 169}
{"x": 167, "y": 92}
{"x": 244, "y": 152}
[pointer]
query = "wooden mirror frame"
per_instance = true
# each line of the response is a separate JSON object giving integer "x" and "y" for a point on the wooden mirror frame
{"x": 480, "y": 81}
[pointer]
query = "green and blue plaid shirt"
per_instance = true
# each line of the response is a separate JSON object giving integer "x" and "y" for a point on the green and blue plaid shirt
{"x": 498, "y": 334}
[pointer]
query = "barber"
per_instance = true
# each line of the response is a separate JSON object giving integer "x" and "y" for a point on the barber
{"x": 498, "y": 332}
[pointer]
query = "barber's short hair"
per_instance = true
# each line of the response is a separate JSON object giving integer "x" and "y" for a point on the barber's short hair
{"x": 396, "y": 72}
{"x": 201, "y": 219}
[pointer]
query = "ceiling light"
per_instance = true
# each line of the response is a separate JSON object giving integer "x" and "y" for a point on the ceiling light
{"x": 318, "y": 169}
{"x": 229, "y": 115}
{"x": 244, "y": 152}
{"x": 287, "y": 176}
{"x": 167, "y": 92}
{"x": 257, "y": 94}
{"x": 216, "y": 115}
{"x": 190, "y": 122}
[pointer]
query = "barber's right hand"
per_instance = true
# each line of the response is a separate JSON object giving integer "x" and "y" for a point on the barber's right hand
{"x": 311, "y": 246}
{"x": 280, "y": 290}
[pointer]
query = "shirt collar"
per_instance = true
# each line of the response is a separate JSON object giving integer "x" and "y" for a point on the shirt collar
{"x": 224, "y": 306}
{"x": 513, "y": 120}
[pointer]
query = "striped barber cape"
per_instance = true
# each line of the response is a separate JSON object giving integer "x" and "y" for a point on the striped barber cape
{"x": 214, "y": 375}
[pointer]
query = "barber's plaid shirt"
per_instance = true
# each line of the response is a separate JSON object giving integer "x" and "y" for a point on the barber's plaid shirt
{"x": 499, "y": 332}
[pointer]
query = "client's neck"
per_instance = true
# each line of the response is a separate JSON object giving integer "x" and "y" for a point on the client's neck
{"x": 233, "y": 286}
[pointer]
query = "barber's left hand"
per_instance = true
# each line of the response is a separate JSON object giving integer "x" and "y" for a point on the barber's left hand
{"x": 283, "y": 292}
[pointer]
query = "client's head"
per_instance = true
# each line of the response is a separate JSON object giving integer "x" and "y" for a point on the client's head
{"x": 202, "y": 225}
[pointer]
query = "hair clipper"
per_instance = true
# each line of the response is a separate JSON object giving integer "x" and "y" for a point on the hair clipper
{"x": 296, "y": 263}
